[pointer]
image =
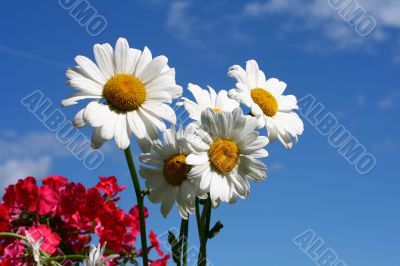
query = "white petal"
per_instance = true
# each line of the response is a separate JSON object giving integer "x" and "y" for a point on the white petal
{"x": 196, "y": 159}
{"x": 121, "y": 56}
{"x": 136, "y": 124}
{"x": 121, "y": 136}
{"x": 78, "y": 121}
{"x": 104, "y": 59}
{"x": 143, "y": 61}
{"x": 168, "y": 200}
{"x": 90, "y": 69}
{"x": 153, "y": 69}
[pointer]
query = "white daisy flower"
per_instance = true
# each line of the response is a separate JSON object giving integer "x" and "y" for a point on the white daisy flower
{"x": 224, "y": 155}
{"x": 167, "y": 175}
{"x": 96, "y": 254}
{"x": 264, "y": 97}
{"x": 130, "y": 91}
{"x": 207, "y": 99}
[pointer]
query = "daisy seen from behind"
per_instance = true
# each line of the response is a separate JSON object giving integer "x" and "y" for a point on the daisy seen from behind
{"x": 96, "y": 256}
{"x": 166, "y": 173}
{"x": 130, "y": 92}
{"x": 267, "y": 103}
{"x": 207, "y": 99}
{"x": 225, "y": 153}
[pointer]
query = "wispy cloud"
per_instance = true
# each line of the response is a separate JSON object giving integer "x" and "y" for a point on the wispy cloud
{"x": 27, "y": 154}
{"x": 199, "y": 25}
{"x": 29, "y": 56}
{"x": 318, "y": 17}
{"x": 386, "y": 146}
{"x": 33, "y": 144}
{"x": 14, "y": 169}
{"x": 390, "y": 101}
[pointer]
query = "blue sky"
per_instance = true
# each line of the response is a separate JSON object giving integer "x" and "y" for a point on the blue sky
{"x": 305, "y": 43}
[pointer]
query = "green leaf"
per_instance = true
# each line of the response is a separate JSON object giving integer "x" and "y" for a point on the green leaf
{"x": 174, "y": 246}
{"x": 215, "y": 230}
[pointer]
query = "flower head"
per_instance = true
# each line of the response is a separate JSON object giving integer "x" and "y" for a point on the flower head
{"x": 166, "y": 173}
{"x": 224, "y": 154}
{"x": 266, "y": 102}
{"x": 207, "y": 99}
{"x": 96, "y": 256}
{"x": 129, "y": 89}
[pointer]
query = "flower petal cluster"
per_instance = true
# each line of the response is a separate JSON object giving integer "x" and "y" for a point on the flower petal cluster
{"x": 59, "y": 217}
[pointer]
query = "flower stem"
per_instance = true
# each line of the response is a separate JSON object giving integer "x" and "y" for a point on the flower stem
{"x": 12, "y": 235}
{"x": 185, "y": 242}
{"x": 66, "y": 257}
{"x": 200, "y": 226}
{"x": 139, "y": 198}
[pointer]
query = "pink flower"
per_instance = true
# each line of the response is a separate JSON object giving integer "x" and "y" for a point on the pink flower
{"x": 155, "y": 243}
{"x": 14, "y": 253}
{"x": 109, "y": 185}
{"x": 50, "y": 239}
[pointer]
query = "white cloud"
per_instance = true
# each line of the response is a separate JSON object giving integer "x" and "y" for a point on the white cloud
{"x": 319, "y": 17}
{"x": 387, "y": 145}
{"x": 29, "y": 56}
{"x": 14, "y": 169}
{"x": 14, "y": 145}
{"x": 390, "y": 101}
{"x": 197, "y": 27}
{"x": 276, "y": 166}
{"x": 178, "y": 21}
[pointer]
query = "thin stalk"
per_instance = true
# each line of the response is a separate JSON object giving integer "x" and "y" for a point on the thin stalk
{"x": 12, "y": 235}
{"x": 180, "y": 242}
{"x": 208, "y": 218}
{"x": 185, "y": 242}
{"x": 139, "y": 198}
{"x": 66, "y": 257}
{"x": 200, "y": 228}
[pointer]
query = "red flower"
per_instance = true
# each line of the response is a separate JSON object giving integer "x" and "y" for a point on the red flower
{"x": 4, "y": 218}
{"x": 72, "y": 199}
{"x": 161, "y": 262}
{"x": 27, "y": 194}
{"x": 109, "y": 185}
{"x": 6, "y": 262}
{"x": 48, "y": 200}
{"x": 55, "y": 181}
{"x": 155, "y": 243}
{"x": 50, "y": 239}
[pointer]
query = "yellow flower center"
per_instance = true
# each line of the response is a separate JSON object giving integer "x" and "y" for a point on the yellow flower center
{"x": 265, "y": 100}
{"x": 175, "y": 169}
{"x": 124, "y": 92}
{"x": 224, "y": 155}
{"x": 216, "y": 110}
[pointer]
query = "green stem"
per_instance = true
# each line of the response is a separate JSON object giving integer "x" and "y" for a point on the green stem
{"x": 185, "y": 242}
{"x": 66, "y": 257}
{"x": 12, "y": 235}
{"x": 179, "y": 252}
{"x": 200, "y": 227}
{"x": 208, "y": 218}
{"x": 139, "y": 198}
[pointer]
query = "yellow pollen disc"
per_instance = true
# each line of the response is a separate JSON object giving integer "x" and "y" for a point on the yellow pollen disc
{"x": 265, "y": 100}
{"x": 175, "y": 169}
{"x": 224, "y": 155}
{"x": 216, "y": 110}
{"x": 124, "y": 92}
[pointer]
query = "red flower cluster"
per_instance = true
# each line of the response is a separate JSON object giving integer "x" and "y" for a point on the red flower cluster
{"x": 65, "y": 216}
